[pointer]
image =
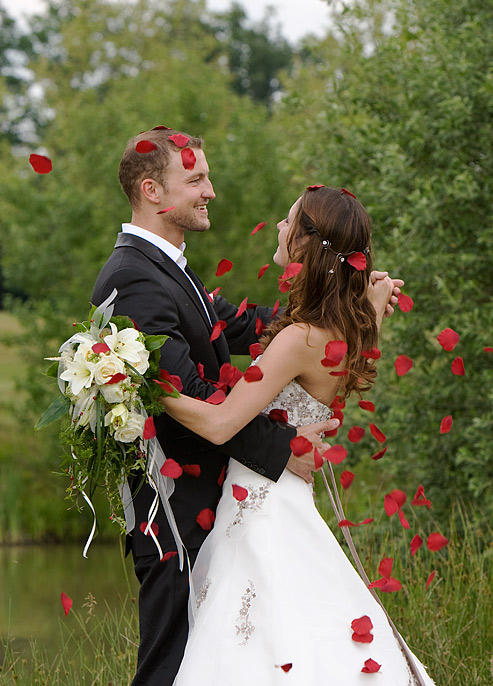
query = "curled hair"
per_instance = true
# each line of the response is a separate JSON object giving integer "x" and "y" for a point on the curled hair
{"x": 136, "y": 166}
{"x": 328, "y": 292}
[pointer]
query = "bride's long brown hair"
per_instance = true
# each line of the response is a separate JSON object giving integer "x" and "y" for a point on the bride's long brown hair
{"x": 329, "y": 225}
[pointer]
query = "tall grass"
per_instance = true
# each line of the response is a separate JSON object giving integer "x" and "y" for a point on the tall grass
{"x": 448, "y": 625}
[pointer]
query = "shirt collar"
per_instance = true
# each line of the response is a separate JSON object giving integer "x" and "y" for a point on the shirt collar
{"x": 174, "y": 253}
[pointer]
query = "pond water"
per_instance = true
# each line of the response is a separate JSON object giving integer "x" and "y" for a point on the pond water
{"x": 32, "y": 579}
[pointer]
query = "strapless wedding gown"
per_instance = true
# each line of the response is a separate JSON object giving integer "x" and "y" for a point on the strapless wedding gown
{"x": 275, "y": 594}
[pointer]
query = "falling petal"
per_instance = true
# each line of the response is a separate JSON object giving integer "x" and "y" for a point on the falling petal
{"x": 355, "y": 434}
{"x": 171, "y": 468}
{"x": 259, "y": 227}
{"x": 262, "y": 271}
{"x": 335, "y": 454}
{"x": 376, "y": 433}
{"x": 191, "y": 469}
{"x": 154, "y": 528}
{"x": 205, "y": 519}
{"x": 216, "y": 398}
{"x": 335, "y": 352}
{"x": 357, "y": 260}
{"x": 430, "y": 579}
{"x": 255, "y": 350}
{"x": 448, "y": 339}
{"x": 173, "y": 379}
{"x": 145, "y": 146}
{"x": 436, "y": 542}
{"x": 149, "y": 429}
{"x": 223, "y": 267}
{"x": 67, "y": 603}
{"x": 217, "y": 329}
{"x": 416, "y": 544}
{"x": 403, "y": 520}
{"x": 318, "y": 459}
{"x": 100, "y": 348}
{"x": 278, "y": 415}
{"x": 253, "y": 374}
{"x": 259, "y": 326}
{"x": 293, "y": 269}
{"x": 179, "y": 140}
{"x": 346, "y": 479}
{"x": 420, "y": 499}
{"x": 221, "y": 477}
{"x": 40, "y": 164}
{"x": 446, "y": 424}
{"x": 405, "y": 303}
{"x": 215, "y": 292}
{"x": 347, "y": 522}
{"x": 188, "y": 158}
{"x": 372, "y": 354}
{"x": 458, "y": 367}
{"x": 367, "y": 405}
{"x": 379, "y": 455}
{"x": 403, "y": 364}
{"x": 389, "y": 505}
{"x": 239, "y": 492}
{"x": 300, "y": 446}
{"x": 385, "y": 566}
{"x": 167, "y": 556}
{"x": 287, "y": 667}
{"x": 344, "y": 372}
{"x": 116, "y": 378}
{"x": 275, "y": 309}
{"x": 399, "y": 496}
{"x": 488, "y": 350}
{"x": 242, "y": 308}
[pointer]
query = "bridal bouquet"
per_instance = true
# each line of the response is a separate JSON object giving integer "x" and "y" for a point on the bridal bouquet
{"x": 106, "y": 373}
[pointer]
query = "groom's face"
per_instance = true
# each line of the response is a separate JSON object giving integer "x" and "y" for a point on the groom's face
{"x": 188, "y": 191}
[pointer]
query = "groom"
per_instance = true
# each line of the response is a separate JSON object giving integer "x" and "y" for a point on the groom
{"x": 165, "y": 175}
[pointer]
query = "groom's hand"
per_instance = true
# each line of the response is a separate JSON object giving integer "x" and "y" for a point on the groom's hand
{"x": 304, "y": 465}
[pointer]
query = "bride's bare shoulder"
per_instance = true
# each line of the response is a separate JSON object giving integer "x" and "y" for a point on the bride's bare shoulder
{"x": 306, "y": 337}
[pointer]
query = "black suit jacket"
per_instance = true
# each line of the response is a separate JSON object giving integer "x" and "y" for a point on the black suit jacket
{"x": 159, "y": 297}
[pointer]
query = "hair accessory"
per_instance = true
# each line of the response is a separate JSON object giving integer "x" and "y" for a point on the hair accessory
{"x": 345, "y": 191}
{"x": 315, "y": 187}
{"x": 325, "y": 244}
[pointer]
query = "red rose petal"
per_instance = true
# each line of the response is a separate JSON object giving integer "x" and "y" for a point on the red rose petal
{"x": 166, "y": 209}
{"x": 161, "y": 127}
{"x": 367, "y": 405}
{"x": 179, "y": 139}
{"x": 448, "y": 339}
{"x": 99, "y": 348}
{"x": 284, "y": 285}
{"x": 372, "y": 354}
{"x": 416, "y": 544}
{"x": 191, "y": 469}
{"x": 173, "y": 379}
{"x": 346, "y": 479}
{"x": 40, "y": 163}
{"x": 223, "y": 267}
{"x": 145, "y": 146}
{"x": 379, "y": 455}
{"x": 362, "y": 625}
{"x": 221, "y": 477}
{"x": 385, "y": 566}
{"x": 253, "y": 374}
{"x": 188, "y": 158}
{"x": 347, "y": 522}
{"x": 399, "y": 496}
{"x": 169, "y": 555}
{"x": 229, "y": 375}
{"x": 362, "y": 638}
{"x": 446, "y": 424}
{"x": 420, "y": 499}
{"x": 403, "y": 520}
{"x": 259, "y": 227}
{"x": 67, "y": 603}
{"x": 278, "y": 415}
{"x": 403, "y": 364}
{"x": 343, "y": 373}
{"x": 154, "y": 528}
{"x": 242, "y": 308}
{"x": 430, "y": 579}
{"x": 286, "y": 667}
{"x": 345, "y": 190}
{"x": 275, "y": 309}
{"x": 216, "y": 398}
{"x": 116, "y": 378}
{"x": 217, "y": 329}
{"x": 335, "y": 352}
{"x": 149, "y": 429}
{"x": 488, "y": 350}
{"x": 255, "y": 350}
{"x": 335, "y": 454}
{"x": 458, "y": 367}
{"x": 436, "y": 542}
{"x": 389, "y": 505}
{"x": 300, "y": 446}
{"x": 293, "y": 269}
{"x": 205, "y": 519}
{"x": 215, "y": 292}
{"x": 376, "y": 433}
{"x": 262, "y": 271}
{"x": 239, "y": 492}
{"x": 315, "y": 187}
{"x": 259, "y": 326}
{"x": 357, "y": 260}
{"x": 171, "y": 468}
{"x": 318, "y": 459}
{"x": 370, "y": 666}
{"x": 405, "y": 303}
{"x": 355, "y": 434}
{"x": 338, "y": 403}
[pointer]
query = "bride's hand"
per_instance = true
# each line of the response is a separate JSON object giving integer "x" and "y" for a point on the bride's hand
{"x": 398, "y": 284}
{"x": 304, "y": 465}
{"x": 380, "y": 294}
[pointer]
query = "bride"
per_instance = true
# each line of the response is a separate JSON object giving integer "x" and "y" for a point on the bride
{"x": 276, "y": 598}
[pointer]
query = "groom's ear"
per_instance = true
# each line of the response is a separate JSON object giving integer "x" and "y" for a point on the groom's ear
{"x": 151, "y": 190}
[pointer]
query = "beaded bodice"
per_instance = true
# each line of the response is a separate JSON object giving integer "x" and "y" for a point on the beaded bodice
{"x": 302, "y": 408}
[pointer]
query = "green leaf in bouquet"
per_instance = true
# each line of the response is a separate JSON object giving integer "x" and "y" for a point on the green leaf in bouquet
{"x": 57, "y": 409}
{"x": 52, "y": 370}
{"x": 155, "y": 342}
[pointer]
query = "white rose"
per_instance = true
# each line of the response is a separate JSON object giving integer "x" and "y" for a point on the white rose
{"x": 128, "y": 345}
{"x": 132, "y": 429}
{"x": 115, "y": 392}
{"x": 108, "y": 366}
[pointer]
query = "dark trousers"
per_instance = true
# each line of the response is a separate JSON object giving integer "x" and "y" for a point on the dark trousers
{"x": 163, "y": 618}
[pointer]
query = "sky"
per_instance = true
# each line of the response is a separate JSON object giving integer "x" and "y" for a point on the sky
{"x": 297, "y": 17}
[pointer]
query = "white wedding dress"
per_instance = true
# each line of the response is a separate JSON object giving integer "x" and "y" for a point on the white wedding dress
{"x": 274, "y": 588}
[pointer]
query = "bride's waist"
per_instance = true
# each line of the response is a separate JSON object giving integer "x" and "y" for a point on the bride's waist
{"x": 238, "y": 474}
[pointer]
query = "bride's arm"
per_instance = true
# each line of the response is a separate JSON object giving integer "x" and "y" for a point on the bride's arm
{"x": 287, "y": 356}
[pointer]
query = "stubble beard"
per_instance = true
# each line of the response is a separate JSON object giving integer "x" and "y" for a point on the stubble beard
{"x": 188, "y": 221}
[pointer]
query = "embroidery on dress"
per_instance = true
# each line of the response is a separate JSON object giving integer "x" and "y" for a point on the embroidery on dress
{"x": 245, "y": 627}
{"x": 253, "y": 501}
{"x": 202, "y": 594}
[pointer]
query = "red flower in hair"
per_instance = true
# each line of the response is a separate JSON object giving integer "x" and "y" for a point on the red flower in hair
{"x": 346, "y": 192}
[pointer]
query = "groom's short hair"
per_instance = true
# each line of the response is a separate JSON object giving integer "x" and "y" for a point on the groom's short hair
{"x": 136, "y": 166}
